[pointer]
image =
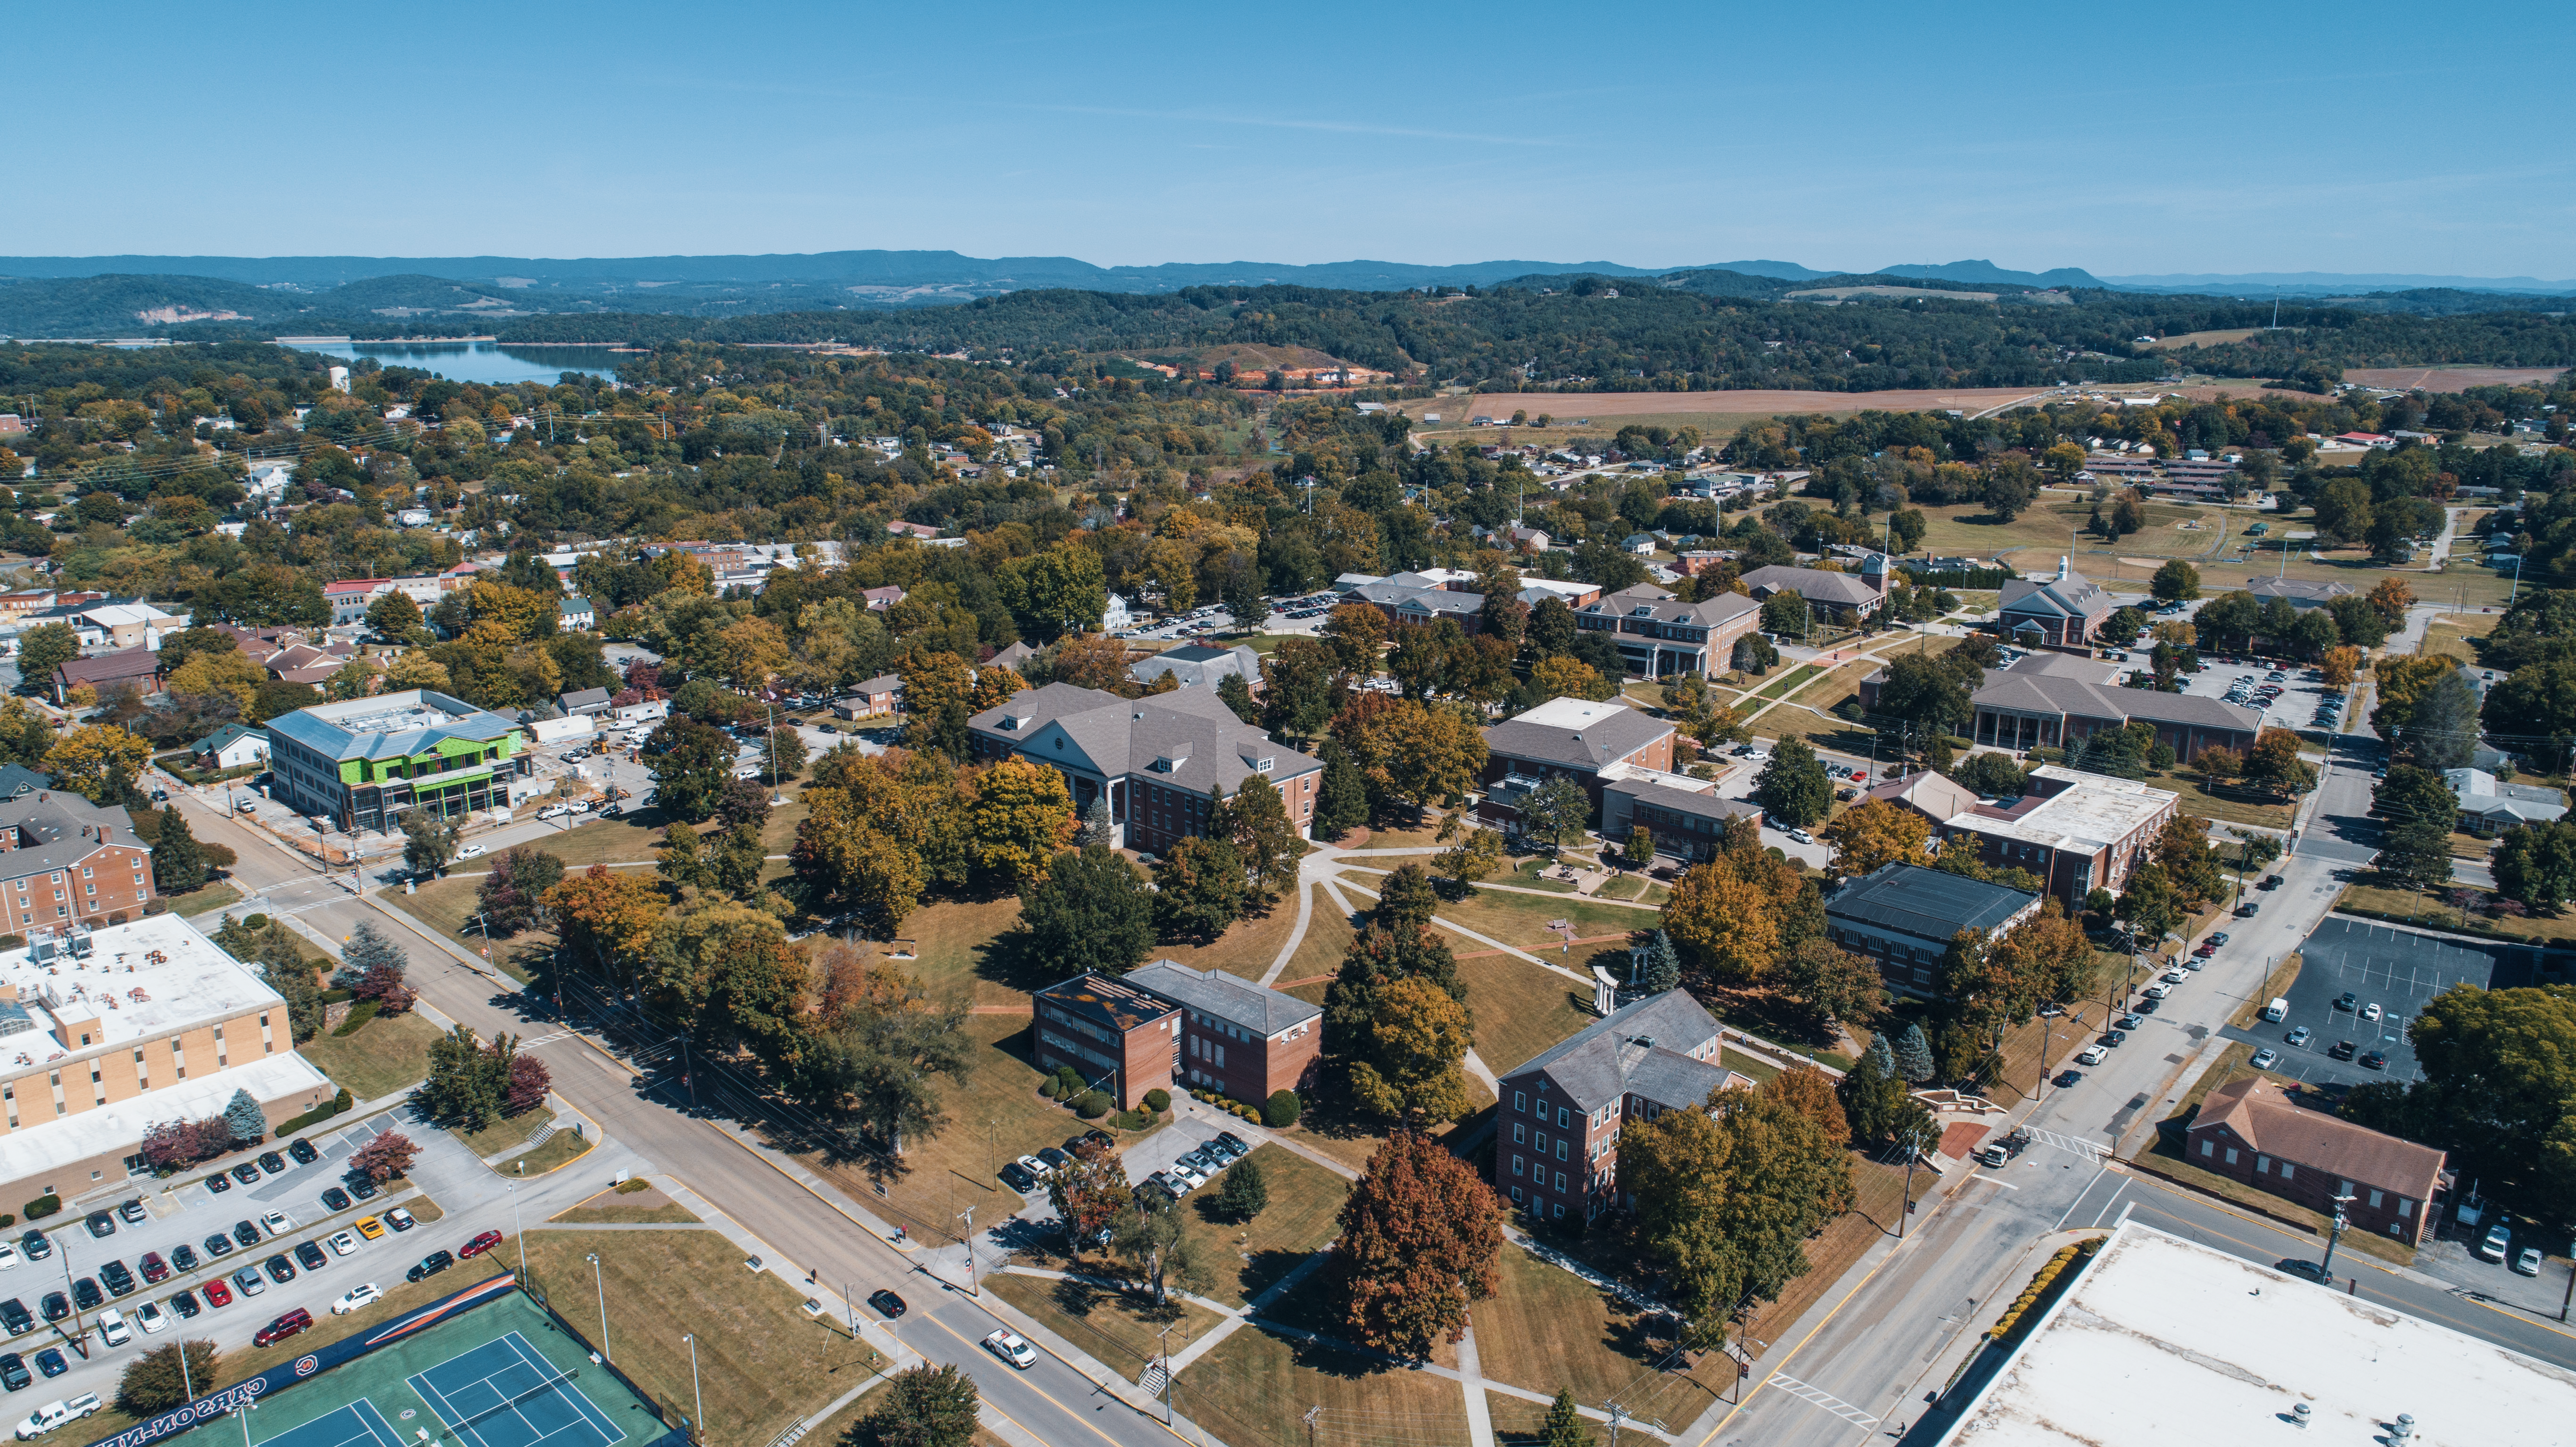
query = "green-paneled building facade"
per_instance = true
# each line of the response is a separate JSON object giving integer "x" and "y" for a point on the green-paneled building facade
{"x": 364, "y": 763}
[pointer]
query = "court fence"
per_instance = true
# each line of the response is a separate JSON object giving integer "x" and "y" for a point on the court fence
{"x": 348, "y": 1349}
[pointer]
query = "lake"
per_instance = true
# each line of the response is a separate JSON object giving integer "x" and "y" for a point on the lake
{"x": 490, "y": 363}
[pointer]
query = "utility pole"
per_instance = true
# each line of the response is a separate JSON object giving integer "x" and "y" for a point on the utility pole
{"x": 1162, "y": 1345}
{"x": 1314, "y": 1414}
{"x": 968, "y": 1215}
{"x": 1618, "y": 1419}
{"x": 2326, "y": 1267}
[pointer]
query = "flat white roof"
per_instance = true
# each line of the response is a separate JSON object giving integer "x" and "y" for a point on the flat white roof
{"x": 1569, "y": 713}
{"x": 133, "y": 995}
{"x": 1562, "y": 590}
{"x": 2097, "y": 811}
{"x": 2162, "y": 1341}
{"x": 118, "y": 1127}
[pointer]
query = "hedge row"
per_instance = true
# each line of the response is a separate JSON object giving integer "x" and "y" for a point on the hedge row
{"x": 2046, "y": 1285}
{"x": 315, "y": 1116}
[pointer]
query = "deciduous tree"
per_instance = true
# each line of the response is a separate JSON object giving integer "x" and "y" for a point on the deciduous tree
{"x": 1832, "y": 983}
{"x": 924, "y": 1406}
{"x": 1255, "y": 820}
{"x": 1022, "y": 816}
{"x": 386, "y": 1156}
{"x": 2535, "y": 864}
{"x": 1198, "y": 888}
{"x": 1726, "y": 922}
{"x": 158, "y": 1381}
{"x": 1089, "y": 1193}
{"x": 1873, "y": 833}
{"x": 1556, "y": 812}
{"x": 1410, "y": 1070}
{"x": 1727, "y": 1196}
{"x": 1091, "y": 912}
{"x": 1420, "y": 1242}
{"x": 690, "y": 763}
{"x": 93, "y": 759}
{"x": 1793, "y": 787}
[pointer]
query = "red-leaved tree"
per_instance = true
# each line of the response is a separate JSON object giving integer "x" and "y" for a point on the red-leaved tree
{"x": 1420, "y": 1236}
{"x": 529, "y": 1083}
{"x": 387, "y": 1156}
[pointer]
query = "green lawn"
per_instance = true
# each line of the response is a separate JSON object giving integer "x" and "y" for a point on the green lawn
{"x": 1255, "y": 1388}
{"x": 1521, "y": 920}
{"x": 506, "y": 1133}
{"x": 387, "y": 1054}
{"x": 200, "y": 901}
{"x": 1119, "y": 1329}
{"x": 560, "y": 1149}
{"x": 1520, "y": 1009}
{"x": 1547, "y": 1329}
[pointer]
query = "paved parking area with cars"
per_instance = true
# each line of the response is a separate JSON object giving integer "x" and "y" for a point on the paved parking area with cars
{"x": 2298, "y": 703}
{"x": 2451, "y": 1257}
{"x": 2396, "y": 970}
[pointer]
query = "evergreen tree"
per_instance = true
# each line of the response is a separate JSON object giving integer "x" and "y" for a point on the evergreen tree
{"x": 1341, "y": 801}
{"x": 243, "y": 1118}
{"x": 178, "y": 862}
{"x": 1098, "y": 829}
{"x": 1564, "y": 1426}
{"x": 1663, "y": 966}
{"x": 1246, "y": 1192}
{"x": 1873, "y": 1093}
{"x": 368, "y": 950}
{"x": 1237, "y": 695}
{"x": 1091, "y": 912}
{"x": 293, "y": 979}
{"x": 1914, "y": 1055}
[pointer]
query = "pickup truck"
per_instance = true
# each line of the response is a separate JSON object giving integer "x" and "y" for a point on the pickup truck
{"x": 1996, "y": 1152}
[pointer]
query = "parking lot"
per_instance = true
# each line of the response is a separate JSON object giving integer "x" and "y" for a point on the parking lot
{"x": 2395, "y": 969}
{"x": 2294, "y": 708}
{"x": 2451, "y": 1256}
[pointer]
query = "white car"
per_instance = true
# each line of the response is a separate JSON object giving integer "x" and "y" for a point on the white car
{"x": 277, "y": 1223}
{"x": 54, "y": 1414}
{"x": 470, "y": 851}
{"x": 151, "y": 1317}
{"x": 2156, "y": 992}
{"x": 581, "y": 806}
{"x": 2175, "y": 977}
{"x": 356, "y": 1297}
{"x": 1010, "y": 1347}
{"x": 112, "y": 1329}
{"x": 1192, "y": 1176}
{"x": 553, "y": 811}
{"x": 9, "y": 1257}
{"x": 2091, "y": 1055}
{"x": 1036, "y": 1167}
{"x": 2370, "y": 1011}
{"x": 345, "y": 1243}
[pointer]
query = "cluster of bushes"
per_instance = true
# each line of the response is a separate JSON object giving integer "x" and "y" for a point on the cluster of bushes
{"x": 1282, "y": 1111}
{"x": 316, "y": 1115}
{"x": 43, "y": 1206}
{"x": 2046, "y": 1285}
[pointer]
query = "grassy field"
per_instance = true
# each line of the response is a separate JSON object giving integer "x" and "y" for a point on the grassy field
{"x": 2451, "y": 634}
{"x": 1328, "y": 937}
{"x": 2407, "y": 904}
{"x": 560, "y": 1149}
{"x": 1117, "y": 1328}
{"x": 994, "y": 1114}
{"x": 507, "y": 1133}
{"x": 1547, "y": 1329}
{"x": 1520, "y": 1009}
{"x": 628, "y": 1208}
{"x": 762, "y": 1361}
{"x": 2053, "y": 526}
{"x": 1254, "y": 1389}
{"x": 385, "y": 1055}
{"x": 2227, "y": 805}
{"x": 1521, "y": 920}
{"x": 1245, "y": 1258}
{"x": 201, "y": 901}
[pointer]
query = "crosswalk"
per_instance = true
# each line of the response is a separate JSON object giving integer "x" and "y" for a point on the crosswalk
{"x": 1818, "y": 1396}
{"x": 2090, "y": 1150}
{"x": 547, "y": 1039}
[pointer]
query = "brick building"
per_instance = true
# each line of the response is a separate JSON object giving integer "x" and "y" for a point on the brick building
{"x": 104, "y": 1033}
{"x": 1591, "y": 743}
{"x": 2060, "y": 612}
{"x": 2253, "y": 1131}
{"x": 1557, "y": 1129}
{"x": 2077, "y": 831}
{"x": 67, "y": 861}
{"x": 1163, "y": 762}
{"x": 1239, "y": 1038}
{"x": 1902, "y": 917}
{"x": 1122, "y": 1039}
{"x": 1659, "y": 635}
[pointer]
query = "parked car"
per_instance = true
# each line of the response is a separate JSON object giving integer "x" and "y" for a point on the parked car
{"x": 2308, "y": 1270}
{"x": 399, "y": 1219}
{"x": 101, "y": 1224}
{"x": 285, "y": 1326}
{"x": 355, "y": 1298}
{"x": 87, "y": 1296}
{"x": 363, "y": 1186}
{"x": 343, "y": 1243}
{"x": 155, "y": 1270}
{"x": 1055, "y": 1159}
{"x": 334, "y": 1200}
{"x": 13, "y": 1372}
{"x": 15, "y": 1317}
{"x": 1036, "y": 1167}
{"x": 54, "y": 1414}
{"x": 2129, "y": 1022}
{"x": 370, "y": 1228}
{"x": 276, "y": 1223}
{"x": 430, "y": 1265}
{"x": 150, "y": 1317}
{"x": 2297, "y": 1037}
{"x": 272, "y": 1162}
{"x": 132, "y": 1212}
{"x": 183, "y": 1257}
{"x": 2528, "y": 1262}
{"x": 2343, "y": 1050}
{"x": 113, "y": 1329}
{"x": 119, "y": 1278}
{"x": 1017, "y": 1177}
{"x": 185, "y": 1303}
{"x": 2370, "y": 1011}
{"x": 279, "y": 1268}
{"x": 303, "y": 1151}
{"x": 217, "y": 1293}
{"x": 246, "y": 1173}
{"x": 2348, "y": 1001}
{"x": 2498, "y": 1240}
{"x": 2091, "y": 1055}
{"x": 35, "y": 1246}
{"x": 219, "y": 1244}
{"x": 2375, "y": 1060}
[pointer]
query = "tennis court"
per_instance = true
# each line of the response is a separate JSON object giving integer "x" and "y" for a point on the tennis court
{"x": 502, "y": 1394}
{"x": 501, "y": 1374}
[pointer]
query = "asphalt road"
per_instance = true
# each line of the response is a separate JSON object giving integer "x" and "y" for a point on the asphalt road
{"x": 648, "y": 1114}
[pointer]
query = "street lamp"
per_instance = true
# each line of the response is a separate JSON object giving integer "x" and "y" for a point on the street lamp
{"x": 602, "y": 1283}
{"x": 519, "y": 1230}
{"x": 694, "y": 1389}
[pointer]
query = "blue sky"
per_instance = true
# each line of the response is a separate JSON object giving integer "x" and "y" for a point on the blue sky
{"x": 2128, "y": 139}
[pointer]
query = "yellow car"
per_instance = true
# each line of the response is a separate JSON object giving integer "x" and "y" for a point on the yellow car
{"x": 370, "y": 1227}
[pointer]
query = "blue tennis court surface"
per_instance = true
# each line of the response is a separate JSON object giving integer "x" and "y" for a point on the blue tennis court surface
{"x": 503, "y": 1394}
{"x": 358, "y": 1424}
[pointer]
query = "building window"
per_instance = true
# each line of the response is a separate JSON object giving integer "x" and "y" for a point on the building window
{"x": 2405, "y": 1208}
{"x": 1560, "y": 1185}
{"x": 1520, "y": 1134}
{"x": 1560, "y": 1148}
{"x": 2231, "y": 1155}
{"x": 2374, "y": 1200}
{"x": 1516, "y": 1195}
{"x": 2208, "y": 1149}
{"x": 2288, "y": 1170}
{"x": 1516, "y": 1165}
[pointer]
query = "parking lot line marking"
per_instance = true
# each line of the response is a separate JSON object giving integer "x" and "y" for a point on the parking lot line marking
{"x": 1994, "y": 1181}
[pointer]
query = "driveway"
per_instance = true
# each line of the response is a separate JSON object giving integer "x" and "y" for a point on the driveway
{"x": 2451, "y": 1256}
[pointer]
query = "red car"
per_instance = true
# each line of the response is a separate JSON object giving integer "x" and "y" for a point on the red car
{"x": 285, "y": 1326}
{"x": 155, "y": 1270}
{"x": 216, "y": 1293}
{"x": 479, "y": 1244}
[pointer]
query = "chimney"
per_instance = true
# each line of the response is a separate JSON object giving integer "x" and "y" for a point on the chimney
{"x": 2061, "y": 569}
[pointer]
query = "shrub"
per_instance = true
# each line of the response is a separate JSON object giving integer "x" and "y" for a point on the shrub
{"x": 632, "y": 1184}
{"x": 1093, "y": 1105}
{"x": 13, "y": 942}
{"x": 7, "y": 1220}
{"x": 359, "y": 1014}
{"x": 1135, "y": 1120}
{"x": 254, "y": 921}
{"x": 1158, "y": 1100}
{"x": 43, "y": 1206}
{"x": 1285, "y": 1107}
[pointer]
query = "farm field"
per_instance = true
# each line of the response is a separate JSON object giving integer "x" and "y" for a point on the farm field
{"x": 1627, "y": 407}
{"x": 2201, "y": 339}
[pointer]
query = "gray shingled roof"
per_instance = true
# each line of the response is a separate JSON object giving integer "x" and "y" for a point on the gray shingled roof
{"x": 1603, "y": 1061}
{"x": 1618, "y": 733}
{"x": 1683, "y": 801}
{"x": 2073, "y": 596}
{"x": 1259, "y": 1010}
{"x": 1192, "y": 728}
{"x": 55, "y": 820}
{"x": 2041, "y": 693}
{"x": 1815, "y": 585}
{"x": 1928, "y": 904}
{"x": 1663, "y": 607}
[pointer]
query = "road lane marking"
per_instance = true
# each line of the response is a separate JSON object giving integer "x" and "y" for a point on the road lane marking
{"x": 933, "y": 1319}
{"x": 1817, "y": 1396}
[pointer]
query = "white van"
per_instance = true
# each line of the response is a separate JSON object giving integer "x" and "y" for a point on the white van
{"x": 2278, "y": 1010}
